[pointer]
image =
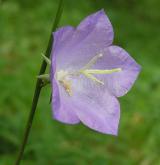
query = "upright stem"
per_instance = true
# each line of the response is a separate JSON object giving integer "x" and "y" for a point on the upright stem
{"x": 38, "y": 86}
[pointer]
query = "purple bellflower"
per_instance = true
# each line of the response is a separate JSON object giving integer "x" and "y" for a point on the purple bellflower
{"x": 88, "y": 73}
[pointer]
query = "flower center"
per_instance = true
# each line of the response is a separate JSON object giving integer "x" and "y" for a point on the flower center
{"x": 64, "y": 76}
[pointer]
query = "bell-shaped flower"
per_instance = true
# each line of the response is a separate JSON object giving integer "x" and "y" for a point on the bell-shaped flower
{"x": 88, "y": 73}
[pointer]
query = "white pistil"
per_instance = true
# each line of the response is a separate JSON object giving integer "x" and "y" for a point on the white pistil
{"x": 90, "y": 76}
{"x": 92, "y": 61}
{"x": 99, "y": 71}
{"x": 89, "y": 73}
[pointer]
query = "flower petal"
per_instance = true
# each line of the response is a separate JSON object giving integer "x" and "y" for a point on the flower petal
{"x": 96, "y": 107}
{"x": 61, "y": 37}
{"x": 118, "y": 83}
{"x": 92, "y": 35}
{"x": 60, "y": 107}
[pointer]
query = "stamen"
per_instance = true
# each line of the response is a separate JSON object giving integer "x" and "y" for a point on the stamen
{"x": 62, "y": 78}
{"x": 67, "y": 86}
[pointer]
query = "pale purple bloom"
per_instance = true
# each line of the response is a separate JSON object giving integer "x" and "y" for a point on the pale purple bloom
{"x": 88, "y": 73}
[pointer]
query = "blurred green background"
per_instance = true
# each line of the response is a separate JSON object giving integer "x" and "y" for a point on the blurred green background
{"x": 24, "y": 31}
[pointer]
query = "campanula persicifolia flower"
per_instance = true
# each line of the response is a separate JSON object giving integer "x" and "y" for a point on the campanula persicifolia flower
{"x": 88, "y": 73}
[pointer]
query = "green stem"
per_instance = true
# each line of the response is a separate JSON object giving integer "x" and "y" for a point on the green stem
{"x": 38, "y": 86}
